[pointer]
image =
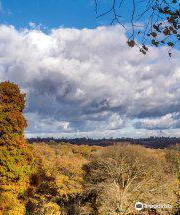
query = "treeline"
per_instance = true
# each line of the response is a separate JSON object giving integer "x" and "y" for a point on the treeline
{"x": 69, "y": 179}
{"x": 150, "y": 142}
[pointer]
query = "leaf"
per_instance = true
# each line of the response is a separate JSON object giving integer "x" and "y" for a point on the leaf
{"x": 170, "y": 44}
{"x": 154, "y": 34}
{"x": 131, "y": 43}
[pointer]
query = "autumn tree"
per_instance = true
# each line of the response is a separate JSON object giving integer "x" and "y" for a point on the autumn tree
{"x": 152, "y": 22}
{"x": 15, "y": 155}
{"x": 59, "y": 179}
{"x": 173, "y": 159}
{"x": 119, "y": 176}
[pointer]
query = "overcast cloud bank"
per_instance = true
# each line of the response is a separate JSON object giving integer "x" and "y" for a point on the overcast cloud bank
{"x": 88, "y": 82}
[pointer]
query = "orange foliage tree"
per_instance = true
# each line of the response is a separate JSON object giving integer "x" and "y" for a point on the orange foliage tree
{"x": 15, "y": 155}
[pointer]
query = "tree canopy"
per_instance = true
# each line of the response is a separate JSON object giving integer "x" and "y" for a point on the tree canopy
{"x": 58, "y": 178}
{"x": 15, "y": 156}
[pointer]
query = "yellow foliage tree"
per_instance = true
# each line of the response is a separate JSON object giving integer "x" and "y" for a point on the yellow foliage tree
{"x": 15, "y": 156}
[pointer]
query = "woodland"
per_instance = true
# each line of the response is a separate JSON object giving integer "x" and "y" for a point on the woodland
{"x": 67, "y": 179}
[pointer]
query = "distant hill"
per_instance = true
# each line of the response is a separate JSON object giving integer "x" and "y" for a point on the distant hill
{"x": 150, "y": 142}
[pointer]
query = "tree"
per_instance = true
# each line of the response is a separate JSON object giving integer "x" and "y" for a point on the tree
{"x": 160, "y": 18}
{"x": 60, "y": 177}
{"x": 119, "y": 176}
{"x": 173, "y": 159}
{"x": 15, "y": 156}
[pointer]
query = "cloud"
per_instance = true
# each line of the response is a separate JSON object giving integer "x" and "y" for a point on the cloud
{"x": 89, "y": 82}
{"x": 164, "y": 122}
{"x": 32, "y": 24}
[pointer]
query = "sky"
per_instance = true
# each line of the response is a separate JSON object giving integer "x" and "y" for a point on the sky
{"x": 49, "y": 13}
{"x": 80, "y": 78}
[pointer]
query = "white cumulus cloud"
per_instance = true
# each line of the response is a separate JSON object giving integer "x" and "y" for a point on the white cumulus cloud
{"x": 85, "y": 81}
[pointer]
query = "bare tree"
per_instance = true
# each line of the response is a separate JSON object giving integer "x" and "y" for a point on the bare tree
{"x": 160, "y": 18}
{"x": 120, "y": 176}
